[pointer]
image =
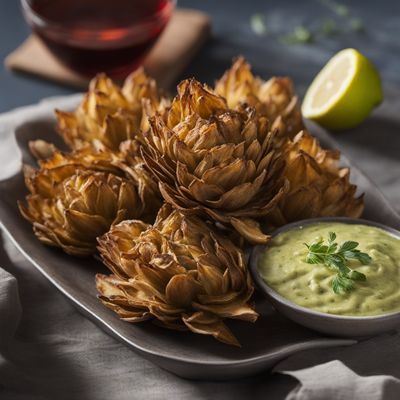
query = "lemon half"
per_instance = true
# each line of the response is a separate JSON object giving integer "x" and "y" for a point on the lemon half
{"x": 344, "y": 92}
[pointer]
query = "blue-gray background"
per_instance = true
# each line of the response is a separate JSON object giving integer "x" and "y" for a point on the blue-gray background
{"x": 233, "y": 36}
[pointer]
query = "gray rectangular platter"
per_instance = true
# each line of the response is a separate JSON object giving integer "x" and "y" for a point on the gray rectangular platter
{"x": 264, "y": 343}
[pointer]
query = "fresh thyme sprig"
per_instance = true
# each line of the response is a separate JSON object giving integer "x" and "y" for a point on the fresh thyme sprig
{"x": 336, "y": 257}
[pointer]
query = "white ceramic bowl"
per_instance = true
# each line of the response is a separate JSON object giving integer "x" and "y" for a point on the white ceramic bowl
{"x": 337, "y": 325}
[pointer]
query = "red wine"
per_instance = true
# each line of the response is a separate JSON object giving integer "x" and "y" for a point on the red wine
{"x": 91, "y": 36}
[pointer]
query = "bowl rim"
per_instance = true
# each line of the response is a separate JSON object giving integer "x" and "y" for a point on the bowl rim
{"x": 272, "y": 293}
{"x": 34, "y": 18}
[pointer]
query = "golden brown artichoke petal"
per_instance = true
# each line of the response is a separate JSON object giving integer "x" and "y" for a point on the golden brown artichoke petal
{"x": 70, "y": 208}
{"x": 224, "y": 166}
{"x": 85, "y": 226}
{"x": 58, "y": 237}
{"x": 175, "y": 269}
{"x": 115, "y": 299}
{"x": 274, "y": 98}
{"x": 234, "y": 308}
{"x": 127, "y": 164}
{"x": 318, "y": 186}
{"x": 142, "y": 93}
{"x": 86, "y": 159}
{"x": 250, "y": 230}
{"x": 206, "y": 323}
{"x": 118, "y": 127}
{"x": 109, "y": 114}
{"x": 193, "y": 98}
{"x": 181, "y": 290}
{"x": 327, "y": 159}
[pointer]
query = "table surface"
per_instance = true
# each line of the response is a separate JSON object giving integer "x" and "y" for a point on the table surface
{"x": 374, "y": 145}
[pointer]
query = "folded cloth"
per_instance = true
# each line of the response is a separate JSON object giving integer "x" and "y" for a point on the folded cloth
{"x": 10, "y": 308}
{"x": 369, "y": 370}
{"x": 49, "y": 351}
{"x": 56, "y": 353}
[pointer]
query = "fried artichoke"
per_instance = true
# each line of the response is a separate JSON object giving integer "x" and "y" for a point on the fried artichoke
{"x": 318, "y": 186}
{"x": 109, "y": 114}
{"x": 215, "y": 161}
{"x": 179, "y": 272}
{"x": 213, "y": 165}
{"x": 274, "y": 98}
{"x": 74, "y": 198}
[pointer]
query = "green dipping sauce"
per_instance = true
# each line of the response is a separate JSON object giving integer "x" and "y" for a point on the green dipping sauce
{"x": 283, "y": 268}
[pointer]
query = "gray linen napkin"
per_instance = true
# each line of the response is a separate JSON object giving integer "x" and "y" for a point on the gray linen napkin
{"x": 342, "y": 383}
{"x": 369, "y": 370}
{"x": 10, "y": 308}
{"x": 58, "y": 354}
{"x": 49, "y": 351}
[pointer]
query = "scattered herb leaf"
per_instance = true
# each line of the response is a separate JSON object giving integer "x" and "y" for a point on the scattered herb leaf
{"x": 341, "y": 21}
{"x": 338, "y": 8}
{"x": 257, "y": 24}
{"x": 357, "y": 25}
{"x": 329, "y": 27}
{"x": 341, "y": 10}
{"x": 300, "y": 35}
{"x": 336, "y": 257}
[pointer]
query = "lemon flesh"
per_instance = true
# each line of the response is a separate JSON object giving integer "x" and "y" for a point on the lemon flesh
{"x": 344, "y": 92}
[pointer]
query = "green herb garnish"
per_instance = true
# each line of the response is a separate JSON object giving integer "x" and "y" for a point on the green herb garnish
{"x": 299, "y": 35}
{"x": 338, "y": 8}
{"x": 336, "y": 258}
{"x": 341, "y": 10}
{"x": 257, "y": 24}
{"x": 357, "y": 25}
{"x": 329, "y": 27}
